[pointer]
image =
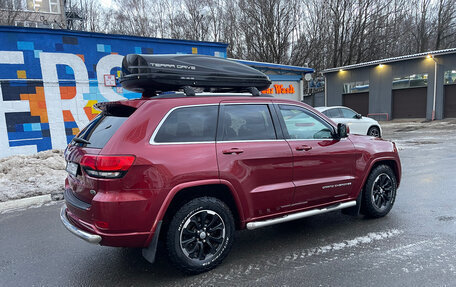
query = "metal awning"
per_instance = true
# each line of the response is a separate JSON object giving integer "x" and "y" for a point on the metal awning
{"x": 394, "y": 59}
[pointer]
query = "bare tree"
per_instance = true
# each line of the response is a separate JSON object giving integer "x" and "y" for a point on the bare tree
{"x": 12, "y": 10}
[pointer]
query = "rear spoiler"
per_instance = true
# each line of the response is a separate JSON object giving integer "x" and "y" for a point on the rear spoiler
{"x": 111, "y": 107}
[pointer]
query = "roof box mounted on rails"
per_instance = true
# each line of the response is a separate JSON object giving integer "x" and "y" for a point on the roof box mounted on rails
{"x": 150, "y": 74}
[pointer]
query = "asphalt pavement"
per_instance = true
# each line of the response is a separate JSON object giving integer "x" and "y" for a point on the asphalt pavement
{"x": 413, "y": 246}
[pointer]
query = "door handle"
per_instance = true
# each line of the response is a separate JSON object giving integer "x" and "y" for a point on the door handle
{"x": 232, "y": 150}
{"x": 303, "y": 147}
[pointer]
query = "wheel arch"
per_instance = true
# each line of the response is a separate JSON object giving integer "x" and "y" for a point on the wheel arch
{"x": 375, "y": 126}
{"x": 391, "y": 162}
{"x": 183, "y": 193}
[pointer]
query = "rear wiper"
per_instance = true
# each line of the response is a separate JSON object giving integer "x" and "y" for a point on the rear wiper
{"x": 80, "y": 140}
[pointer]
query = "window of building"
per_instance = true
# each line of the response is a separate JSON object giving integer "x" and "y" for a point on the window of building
{"x": 12, "y": 5}
{"x": 247, "y": 122}
{"x": 356, "y": 87}
{"x": 301, "y": 124}
{"x": 189, "y": 124}
{"x": 50, "y": 6}
{"x": 450, "y": 77}
{"x": 31, "y": 24}
{"x": 54, "y": 6}
{"x": 411, "y": 81}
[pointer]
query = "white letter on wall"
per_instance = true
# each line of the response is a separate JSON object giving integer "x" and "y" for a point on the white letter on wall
{"x": 104, "y": 67}
{"x": 12, "y": 57}
{"x": 54, "y": 104}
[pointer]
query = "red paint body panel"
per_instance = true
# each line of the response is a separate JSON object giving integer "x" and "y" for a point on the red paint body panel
{"x": 268, "y": 179}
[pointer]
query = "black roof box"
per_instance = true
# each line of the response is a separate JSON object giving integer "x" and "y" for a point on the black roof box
{"x": 152, "y": 73}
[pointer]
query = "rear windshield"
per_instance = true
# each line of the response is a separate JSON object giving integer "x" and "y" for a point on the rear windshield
{"x": 100, "y": 130}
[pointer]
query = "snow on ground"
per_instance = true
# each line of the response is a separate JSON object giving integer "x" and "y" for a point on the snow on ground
{"x": 30, "y": 175}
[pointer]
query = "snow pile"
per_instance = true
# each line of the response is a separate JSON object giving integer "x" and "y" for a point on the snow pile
{"x": 29, "y": 175}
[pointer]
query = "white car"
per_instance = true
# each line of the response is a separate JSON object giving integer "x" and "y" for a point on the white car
{"x": 357, "y": 123}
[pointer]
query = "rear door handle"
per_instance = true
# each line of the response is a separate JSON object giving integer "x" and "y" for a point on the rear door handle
{"x": 303, "y": 147}
{"x": 232, "y": 150}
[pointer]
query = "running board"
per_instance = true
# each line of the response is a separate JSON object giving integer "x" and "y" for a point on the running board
{"x": 299, "y": 215}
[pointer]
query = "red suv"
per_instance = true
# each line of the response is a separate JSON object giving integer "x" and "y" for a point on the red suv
{"x": 190, "y": 170}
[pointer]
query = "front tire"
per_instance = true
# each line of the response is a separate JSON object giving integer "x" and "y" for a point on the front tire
{"x": 200, "y": 235}
{"x": 379, "y": 192}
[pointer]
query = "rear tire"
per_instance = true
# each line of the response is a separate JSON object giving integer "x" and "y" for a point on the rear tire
{"x": 379, "y": 192}
{"x": 374, "y": 132}
{"x": 200, "y": 235}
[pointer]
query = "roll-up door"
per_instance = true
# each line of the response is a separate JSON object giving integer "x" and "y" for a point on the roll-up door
{"x": 409, "y": 103}
{"x": 358, "y": 102}
{"x": 449, "y": 110}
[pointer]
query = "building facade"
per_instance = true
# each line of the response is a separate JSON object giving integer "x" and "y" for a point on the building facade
{"x": 288, "y": 82}
{"x": 413, "y": 86}
{"x": 33, "y": 13}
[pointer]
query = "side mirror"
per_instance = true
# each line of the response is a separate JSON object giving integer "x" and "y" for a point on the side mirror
{"x": 342, "y": 131}
{"x": 358, "y": 116}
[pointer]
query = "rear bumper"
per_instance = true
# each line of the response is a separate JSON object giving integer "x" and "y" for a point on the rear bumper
{"x": 90, "y": 233}
{"x": 92, "y": 238}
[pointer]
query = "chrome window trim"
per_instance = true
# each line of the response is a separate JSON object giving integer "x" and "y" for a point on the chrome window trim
{"x": 252, "y": 103}
{"x": 251, "y": 141}
{"x": 152, "y": 138}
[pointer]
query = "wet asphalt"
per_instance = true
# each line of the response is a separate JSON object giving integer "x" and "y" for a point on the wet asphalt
{"x": 413, "y": 246}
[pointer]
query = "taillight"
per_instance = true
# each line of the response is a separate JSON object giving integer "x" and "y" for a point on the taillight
{"x": 107, "y": 166}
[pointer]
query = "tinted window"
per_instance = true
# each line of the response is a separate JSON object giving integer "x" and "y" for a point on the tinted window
{"x": 247, "y": 122}
{"x": 100, "y": 129}
{"x": 301, "y": 124}
{"x": 333, "y": 113}
{"x": 190, "y": 124}
{"x": 348, "y": 114}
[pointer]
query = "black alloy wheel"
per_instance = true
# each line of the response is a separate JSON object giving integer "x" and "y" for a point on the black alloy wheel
{"x": 379, "y": 192}
{"x": 200, "y": 235}
{"x": 382, "y": 191}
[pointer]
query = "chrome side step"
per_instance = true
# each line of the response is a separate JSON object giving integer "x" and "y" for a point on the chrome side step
{"x": 299, "y": 215}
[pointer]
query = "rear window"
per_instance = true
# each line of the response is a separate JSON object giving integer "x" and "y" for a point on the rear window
{"x": 100, "y": 130}
{"x": 189, "y": 124}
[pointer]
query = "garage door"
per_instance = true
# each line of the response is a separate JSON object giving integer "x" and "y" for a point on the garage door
{"x": 358, "y": 102}
{"x": 449, "y": 110}
{"x": 409, "y": 103}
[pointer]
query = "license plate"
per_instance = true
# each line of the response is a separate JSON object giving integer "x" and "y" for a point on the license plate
{"x": 72, "y": 168}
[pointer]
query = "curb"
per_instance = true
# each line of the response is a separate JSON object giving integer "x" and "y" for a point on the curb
{"x": 23, "y": 203}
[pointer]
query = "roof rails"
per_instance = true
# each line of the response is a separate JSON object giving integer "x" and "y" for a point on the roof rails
{"x": 150, "y": 74}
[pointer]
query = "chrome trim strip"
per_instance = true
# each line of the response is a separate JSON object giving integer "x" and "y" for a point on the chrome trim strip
{"x": 92, "y": 238}
{"x": 252, "y": 141}
{"x": 299, "y": 215}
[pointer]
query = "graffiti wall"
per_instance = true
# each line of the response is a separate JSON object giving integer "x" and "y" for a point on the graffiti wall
{"x": 50, "y": 79}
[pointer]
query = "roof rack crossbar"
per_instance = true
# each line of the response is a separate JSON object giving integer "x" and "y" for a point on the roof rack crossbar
{"x": 254, "y": 91}
{"x": 189, "y": 91}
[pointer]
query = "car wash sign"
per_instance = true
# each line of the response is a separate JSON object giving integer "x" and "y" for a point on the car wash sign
{"x": 284, "y": 89}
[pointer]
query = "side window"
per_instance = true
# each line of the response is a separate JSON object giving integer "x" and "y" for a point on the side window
{"x": 302, "y": 124}
{"x": 189, "y": 124}
{"x": 348, "y": 114}
{"x": 333, "y": 113}
{"x": 246, "y": 122}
